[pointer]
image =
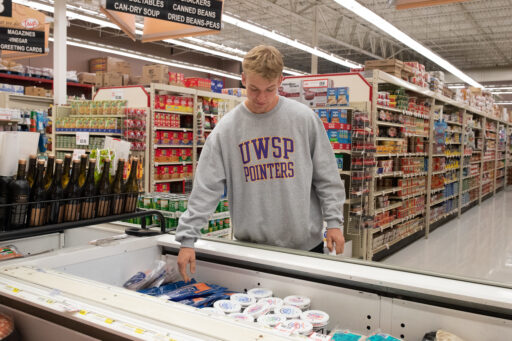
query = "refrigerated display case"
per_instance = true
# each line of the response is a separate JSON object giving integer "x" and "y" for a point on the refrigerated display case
{"x": 81, "y": 289}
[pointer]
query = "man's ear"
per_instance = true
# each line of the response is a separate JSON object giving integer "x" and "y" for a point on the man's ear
{"x": 281, "y": 78}
{"x": 243, "y": 79}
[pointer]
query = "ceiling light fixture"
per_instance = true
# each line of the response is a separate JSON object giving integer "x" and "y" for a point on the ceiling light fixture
{"x": 456, "y": 86}
{"x": 502, "y": 88}
{"x": 394, "y": 32}
{"x": 501, "y": 92}
{"x": 503, "y": 103}
{"x": 287, "y": 41}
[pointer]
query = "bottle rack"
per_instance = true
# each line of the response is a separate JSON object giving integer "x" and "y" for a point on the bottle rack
{"x": 188, "y": 121}
{"x": 30, "y": 231}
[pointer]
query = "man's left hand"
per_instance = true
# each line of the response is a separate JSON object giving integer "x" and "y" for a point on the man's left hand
{"x": 335, "y": 236}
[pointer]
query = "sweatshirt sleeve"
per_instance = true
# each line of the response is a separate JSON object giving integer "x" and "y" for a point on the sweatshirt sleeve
{"x": 208, "y": 187}
{"x": 326, "y": 179}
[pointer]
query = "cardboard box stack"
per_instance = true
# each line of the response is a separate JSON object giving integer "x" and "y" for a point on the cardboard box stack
{"x": 109, "y": 72}
{"x": 392, "y": 66}
{"x": 87, "y": 77}
{"x": 37, "y": 91}
{"x": 155, "y": 73}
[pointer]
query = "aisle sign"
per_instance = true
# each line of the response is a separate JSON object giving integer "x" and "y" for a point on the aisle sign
{"x": 14, "y": 39}
{"x": 199, "y": 13}
{"x": 5, "y": 8}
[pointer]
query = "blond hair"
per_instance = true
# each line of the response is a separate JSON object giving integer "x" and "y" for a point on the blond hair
{"x": 265, "y": 61}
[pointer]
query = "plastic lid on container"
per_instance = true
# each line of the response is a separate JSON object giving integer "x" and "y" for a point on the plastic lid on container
{"x": 213, "y": 310}
{"x": 260, "y": 293}
{"x": 271, "y": 320}
{"x": 301, "y": 302}
{"x": 272, "y": 301}
{"x": 289, "y": 311}
{"x": 242, "y": 317}
{"x": 316, "y": 317}
{"x": 257, "y": 309}
{"x": 243, "y": 299}
{"x": 298, "y": 326}
{"x": 228, "y": 306}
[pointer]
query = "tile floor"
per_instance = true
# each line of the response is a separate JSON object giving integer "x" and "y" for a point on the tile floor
{"x": 476, "y": 245}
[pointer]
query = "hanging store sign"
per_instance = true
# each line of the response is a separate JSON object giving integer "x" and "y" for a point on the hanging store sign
{"x": 199, "y": 13}
{"x": 13, "y": 39}
{"x": 5, "y": 8}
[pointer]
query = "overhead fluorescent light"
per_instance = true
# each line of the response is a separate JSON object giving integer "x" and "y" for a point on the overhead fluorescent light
{"x": 148, "y": 58}
{"x": 501, "y": 92}
{"x": 456, "y": 86}
{"x": 503, "y": 103}
{"x": 502, "y": 88}
{"x": 290, "y": 42}
{"x": 394, "y": 32}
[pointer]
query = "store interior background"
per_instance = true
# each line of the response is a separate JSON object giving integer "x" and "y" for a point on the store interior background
{"x": 473, "y": 35}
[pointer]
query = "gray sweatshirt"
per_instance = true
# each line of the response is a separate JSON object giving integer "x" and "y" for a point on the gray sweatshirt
{"x": 281, "y": 176}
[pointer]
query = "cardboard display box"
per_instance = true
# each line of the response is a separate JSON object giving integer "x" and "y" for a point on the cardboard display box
{"x": 98, "y": 83}
{"x": 112, "y": 79}
{"x": 155, "y": 73}
{"x": 35, "y": 91}
{"x": 86, "y": 78}
{"x": 109, "y": 64}
{"x": 376, "y": 64}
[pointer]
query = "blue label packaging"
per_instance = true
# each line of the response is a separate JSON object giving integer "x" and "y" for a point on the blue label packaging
{"x": 332, "y": 97}
{"x": 344, "y": 116}
{"x": 342, "y": 96}
{"x": 324, "y": 115}
{"x": 335, "y": 115}
{"x": 333, "y": 135}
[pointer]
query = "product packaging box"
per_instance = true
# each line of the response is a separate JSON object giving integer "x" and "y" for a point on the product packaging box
{"x": 126, "y": 79}
{"x": 99, "y": 77}
{"x": 35, "y": 91}
{"x": 335, "y": 116}
{"x": 135, "y": 80}
{"x": 176, "y": 78}
{"x": 112, "y": 79}
{"x": 155, "y": 73}
{"x": 333, "y": 135}
{"x": 337, "y": 97}
{"x": 87, "y": 78}
{"x": 106, "y": 64}
{"x": 198, "y": 83}
{"x": 324, "y": 115}
{"x": 314, "y": 92}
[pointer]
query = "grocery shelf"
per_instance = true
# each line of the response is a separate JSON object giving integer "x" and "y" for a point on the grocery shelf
{"x": 342, "y": 151}
{"x": 410, "y": 196}
{"x": 415, "y": 135}
{"x": 90, "y": 133}
{"x": 453, "y": 143}
{"x": 388, "y": 245}
{"x": 385, "y": 226}
{"x": 170, "y": 180}
{"x": 475, "y": 162}
{"x": 172, "y": 163}
{"x": 9, "y": 121}
{"x": 389, "y": 139}
{"x": 500, "y": 167}
{"x": 470, "y": 189}
{"x": 453, "y": 122}
{"x": 391, "y": 174}
{"x": 21, "y": 97}
{"x": 335, "y": 107}
{"x": 400, "y": 154}
{"x": 173, "y": 112}
{"x": 341, "y": 171}
{"x": 388, "y": 208}
{"x": 442, "y": 216}
{"x": 390, "y": 124}
{"x": 97, "y": 116}
{"x": 172, "y": 146}
{"x": 443, "y": 200}
{"x": 43, "y": 80}
{"x": 173, "y": 129}
{"x": 433, "y": 191}
{"x": 387, "y": 191}
{"x": 488, "y": 171}
{"x": 471, "y": 176}
{"x": 218, "y": 234}
{"x": 413, "y": 175}
{"x": 70, "y": 149}
{"x": 450, "y": 182}
{"x": 382, "y": 107}
{"x": 439, "y": 172}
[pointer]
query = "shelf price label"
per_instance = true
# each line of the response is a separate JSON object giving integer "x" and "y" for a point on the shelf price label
{"x": 82, "y": 138}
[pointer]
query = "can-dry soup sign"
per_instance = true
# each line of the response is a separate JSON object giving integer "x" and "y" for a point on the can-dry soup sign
{"x": 199, "y": 13}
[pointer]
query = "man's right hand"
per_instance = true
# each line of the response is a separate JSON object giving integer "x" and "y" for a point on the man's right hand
{"x": 185, "y": 256}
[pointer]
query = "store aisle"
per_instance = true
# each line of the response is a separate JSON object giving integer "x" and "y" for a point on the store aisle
{"x": 477, "y": 245}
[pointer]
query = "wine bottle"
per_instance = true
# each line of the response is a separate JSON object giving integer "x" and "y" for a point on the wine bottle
{"x": 117, "y": 189}
{"x": 83, "y": 165}
{"x": 88, "y": 208}
{"x": 4, "y": 200}
{"x": 19, "y": 191}
{"x": 72, "y": 195}
{"x": 31, "y": 173}
{"x": 131, "y": 188}
{"x": 56, "y": 194}
{"x": 65, "y": 171}
{"x": 48, "y": 175}
{"x": 37, "y": 211}
{"x": 104, "y": 190}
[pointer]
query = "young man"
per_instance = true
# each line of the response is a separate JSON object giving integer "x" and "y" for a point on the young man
{"x": 275, "y": 159}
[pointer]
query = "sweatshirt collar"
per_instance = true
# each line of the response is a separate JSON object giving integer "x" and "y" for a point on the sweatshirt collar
{"x": 267, "y": 114}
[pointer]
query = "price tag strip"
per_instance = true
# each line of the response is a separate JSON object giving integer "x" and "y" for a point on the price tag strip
{"x": 55, "y": 301}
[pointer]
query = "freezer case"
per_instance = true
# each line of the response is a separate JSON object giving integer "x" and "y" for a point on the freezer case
{"x": 81, "y": 289}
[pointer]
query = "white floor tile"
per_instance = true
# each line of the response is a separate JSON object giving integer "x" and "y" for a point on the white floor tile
{"x": 476, "y": 245}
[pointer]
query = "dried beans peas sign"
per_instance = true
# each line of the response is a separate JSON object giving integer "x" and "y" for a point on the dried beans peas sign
{"x": 200, "y": 13}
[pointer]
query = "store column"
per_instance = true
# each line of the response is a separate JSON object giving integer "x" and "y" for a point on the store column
{"x": 314, "y": 58}
{"x": 60, "y": 65}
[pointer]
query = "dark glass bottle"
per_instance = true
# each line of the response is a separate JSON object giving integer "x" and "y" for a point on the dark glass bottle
{"x": 37, "y": 211}
{"x": 88, "y": 208}
{"x": 131, "y": 188}
{"x": 104, "y": 190}
{"x": 4, "y": 200}
{"x": 19, "y": 191}
{"x": 65, "y": 171}
{"x": 72, "y": 195}
{"x": 48, "y": 175}
{"x": 56, "y": 194}
{"x": 83, "y": 166}
{"x": 117, "y": 189}
{"x": 31, "y": 173}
